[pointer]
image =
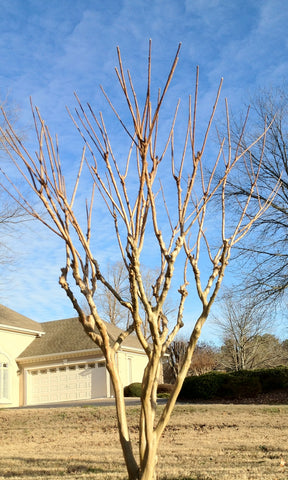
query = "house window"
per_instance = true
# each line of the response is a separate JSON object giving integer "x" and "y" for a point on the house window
{"x": 4, "y": 377}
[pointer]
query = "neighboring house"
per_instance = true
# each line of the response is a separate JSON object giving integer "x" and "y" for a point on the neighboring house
{"x": 56, "y": 361}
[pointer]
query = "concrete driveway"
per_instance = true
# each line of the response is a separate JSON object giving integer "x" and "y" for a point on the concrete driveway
{"x": 97, "y": 402}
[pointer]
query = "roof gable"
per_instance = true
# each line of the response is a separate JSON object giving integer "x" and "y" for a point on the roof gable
{"x": 16, "y": 321}
{"x": 67, "y": 336}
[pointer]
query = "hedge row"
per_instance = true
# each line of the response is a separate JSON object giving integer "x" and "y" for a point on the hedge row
{"x": 219, "y": 385}
{"x": 245, "y": 383}
{"x": 134, "y": 390}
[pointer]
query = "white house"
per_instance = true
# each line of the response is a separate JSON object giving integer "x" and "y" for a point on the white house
{"x": 56, "y": 361}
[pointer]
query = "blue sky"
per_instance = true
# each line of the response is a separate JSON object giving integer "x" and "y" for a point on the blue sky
{"x": 50, "y": 49}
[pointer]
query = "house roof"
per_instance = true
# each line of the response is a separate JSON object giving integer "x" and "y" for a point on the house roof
{"x": 68, "y": 335}
{"x": 16, "y": 321}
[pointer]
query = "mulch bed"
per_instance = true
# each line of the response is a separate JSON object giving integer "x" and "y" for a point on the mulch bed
{"x": 272, "y": 398}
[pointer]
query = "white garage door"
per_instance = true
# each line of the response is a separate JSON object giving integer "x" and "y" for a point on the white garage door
{"x": 72, "y": 382}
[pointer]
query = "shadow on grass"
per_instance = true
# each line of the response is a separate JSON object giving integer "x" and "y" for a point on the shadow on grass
{"x": 29, "y": 467}
{"x": 198, "y": 477}
{"x": 34, "y": 467}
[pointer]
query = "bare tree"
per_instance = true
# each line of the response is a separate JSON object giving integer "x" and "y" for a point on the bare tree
{"x": 174, "y": 360}
{"x": 11, "y": 213}
{"x": 205, "y": 359}
{"x": 284, "y": 350}
{"x": 242, "y": 322}
{"x": 150, "y": 199}
{"x": 270, "y": 352}
{"x": 109, "y": 307}
{"x": 268, "y": 246}
{"x": 263, "y": 351}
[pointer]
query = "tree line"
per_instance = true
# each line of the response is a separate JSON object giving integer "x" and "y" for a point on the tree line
{"x": 262, "y": 351}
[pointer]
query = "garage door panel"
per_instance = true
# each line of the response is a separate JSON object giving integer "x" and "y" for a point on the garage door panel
{"x": 73, "y": 382}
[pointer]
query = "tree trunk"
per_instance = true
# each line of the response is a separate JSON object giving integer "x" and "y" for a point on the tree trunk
{"x": 148, "y": 470}
{"x": 129, "y": 458}
{"x": 147, "y": 436}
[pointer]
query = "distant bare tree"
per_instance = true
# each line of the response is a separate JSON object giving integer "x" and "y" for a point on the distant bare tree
{"x": 264, "y": 351}
{"x": 284, "y": 348}
{"x": 204, "y": 360}
{"x": 156, "y": 202}
{"x": 267, "y": 248}
{"x": 11, "y": 213}
{"x": 242, "y": 323}
{"x": 111, "y": 310}
{"x": 175, "y": 358}
{"x": 270, "y": 352}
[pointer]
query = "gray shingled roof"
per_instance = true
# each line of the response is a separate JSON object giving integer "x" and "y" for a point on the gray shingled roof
{"x": 13, "y": 319}
{"x": 65, "y": 336}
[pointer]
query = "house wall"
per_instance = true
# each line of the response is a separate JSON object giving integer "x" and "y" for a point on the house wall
{"x": 131, "y": 366}
{"x": 11, "y": 345}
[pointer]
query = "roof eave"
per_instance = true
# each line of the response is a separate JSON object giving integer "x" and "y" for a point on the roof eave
{"x": 133, "y": 349}
{"x": 21, "y": 330}
{"x": 74, "y": 353}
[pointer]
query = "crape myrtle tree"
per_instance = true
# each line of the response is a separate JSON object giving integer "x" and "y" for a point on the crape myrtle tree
{"x": 160, "y": 195}
{"x": 109, "y": 307}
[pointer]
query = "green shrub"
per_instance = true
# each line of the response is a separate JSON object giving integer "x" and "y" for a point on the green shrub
{"x": 133, "y": 390}
{"x": 273, "y": 379}
{"x": 215, "y": 385}
{"x": 163, "y": 395}
{"x": 245, "y": 383}
{"x": 238, "y": 385}
{"x": 204, "y": 387}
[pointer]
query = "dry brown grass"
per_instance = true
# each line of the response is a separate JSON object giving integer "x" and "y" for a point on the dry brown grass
{"x": 202, "y": 442}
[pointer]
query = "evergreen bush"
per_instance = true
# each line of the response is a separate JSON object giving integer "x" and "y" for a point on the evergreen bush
{"x": 273, "y": 379}
{"x": 241, "y": 384}
{"x": 204, "y": 386}
{"x": 133, "y": 390}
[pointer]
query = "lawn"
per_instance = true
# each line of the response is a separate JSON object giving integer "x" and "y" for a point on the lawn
{"x": 202, "y": 442}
